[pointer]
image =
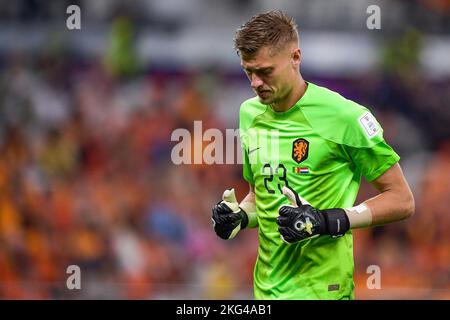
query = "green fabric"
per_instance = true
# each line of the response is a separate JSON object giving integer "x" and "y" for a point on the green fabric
{"x": 345, "y": 143}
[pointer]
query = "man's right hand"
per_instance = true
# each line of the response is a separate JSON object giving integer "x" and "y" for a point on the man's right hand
{"x": 227, "y": 217}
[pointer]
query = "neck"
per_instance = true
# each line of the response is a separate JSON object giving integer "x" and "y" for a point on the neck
{"x": 298, "y": 90}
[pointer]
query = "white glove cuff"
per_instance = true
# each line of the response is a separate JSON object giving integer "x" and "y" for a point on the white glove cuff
{"x": 250, "y": 209}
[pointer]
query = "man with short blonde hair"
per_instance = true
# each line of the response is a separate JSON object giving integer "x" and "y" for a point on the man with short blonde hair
{"x": 326, "y": 143}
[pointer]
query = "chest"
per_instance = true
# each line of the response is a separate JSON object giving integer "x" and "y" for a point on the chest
{"x": 295, "y": 149}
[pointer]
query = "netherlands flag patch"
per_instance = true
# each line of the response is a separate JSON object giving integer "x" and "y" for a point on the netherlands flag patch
{"x": 301, "y": 170}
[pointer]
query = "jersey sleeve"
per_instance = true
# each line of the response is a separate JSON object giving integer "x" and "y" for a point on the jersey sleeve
{"x": 244, "y": 124}
{"x": 246, "y": 167}
{"x": 374, "y": 161}
{"x": 366, "y": 147}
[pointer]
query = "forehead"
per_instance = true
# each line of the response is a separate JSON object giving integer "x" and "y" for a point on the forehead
{"x": 265, "y": 57}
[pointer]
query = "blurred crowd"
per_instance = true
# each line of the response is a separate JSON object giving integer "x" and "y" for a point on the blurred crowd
{"x": 86, "y": 179}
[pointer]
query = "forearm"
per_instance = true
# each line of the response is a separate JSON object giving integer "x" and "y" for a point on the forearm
{"x": 391, "y": 206}
{"x": 299, "y": 220}
{"x": 387, "y": 207}
{"x": 248, "y": 204}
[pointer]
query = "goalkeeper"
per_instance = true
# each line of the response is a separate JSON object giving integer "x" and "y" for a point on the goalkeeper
{"x": 305, "y": 149}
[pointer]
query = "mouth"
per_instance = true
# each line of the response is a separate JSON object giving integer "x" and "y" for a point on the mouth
{"x": 263, "y": 93}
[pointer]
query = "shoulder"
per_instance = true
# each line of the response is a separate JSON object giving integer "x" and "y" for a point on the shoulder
{"x": 341, "y": 120}
{"x": 332, "y": 103}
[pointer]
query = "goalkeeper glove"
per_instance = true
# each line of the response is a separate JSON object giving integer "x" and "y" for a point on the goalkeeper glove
{"x": 227, "y": 217}
{"x": 301, "y": 221}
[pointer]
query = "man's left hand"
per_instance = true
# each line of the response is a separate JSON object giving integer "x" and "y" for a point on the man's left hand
{"x": 300, "y": 221}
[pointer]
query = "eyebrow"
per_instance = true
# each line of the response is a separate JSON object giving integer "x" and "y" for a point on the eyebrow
{"x": 257, "y": 69}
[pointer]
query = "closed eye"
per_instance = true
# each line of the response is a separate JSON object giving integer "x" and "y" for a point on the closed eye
{"x": 262, "y": 71}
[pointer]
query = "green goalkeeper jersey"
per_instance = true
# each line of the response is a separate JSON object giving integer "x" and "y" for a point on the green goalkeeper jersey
{"x": 320, "y": 148}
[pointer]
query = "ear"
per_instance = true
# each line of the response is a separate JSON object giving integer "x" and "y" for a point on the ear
{"x": 296, "y": 57}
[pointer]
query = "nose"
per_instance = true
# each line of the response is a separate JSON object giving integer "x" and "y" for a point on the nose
{"x": 255, "y": 81}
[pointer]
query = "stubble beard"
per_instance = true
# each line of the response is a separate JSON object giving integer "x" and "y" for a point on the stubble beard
{"x": 268, "y": 100}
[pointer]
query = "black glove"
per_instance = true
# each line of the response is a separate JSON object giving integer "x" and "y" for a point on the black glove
{"x": 226, "y": 221}
{"x": 301, "y": 222}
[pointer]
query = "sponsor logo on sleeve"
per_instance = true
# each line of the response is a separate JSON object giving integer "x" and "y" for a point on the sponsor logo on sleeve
{"x": 369, "y": 124}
